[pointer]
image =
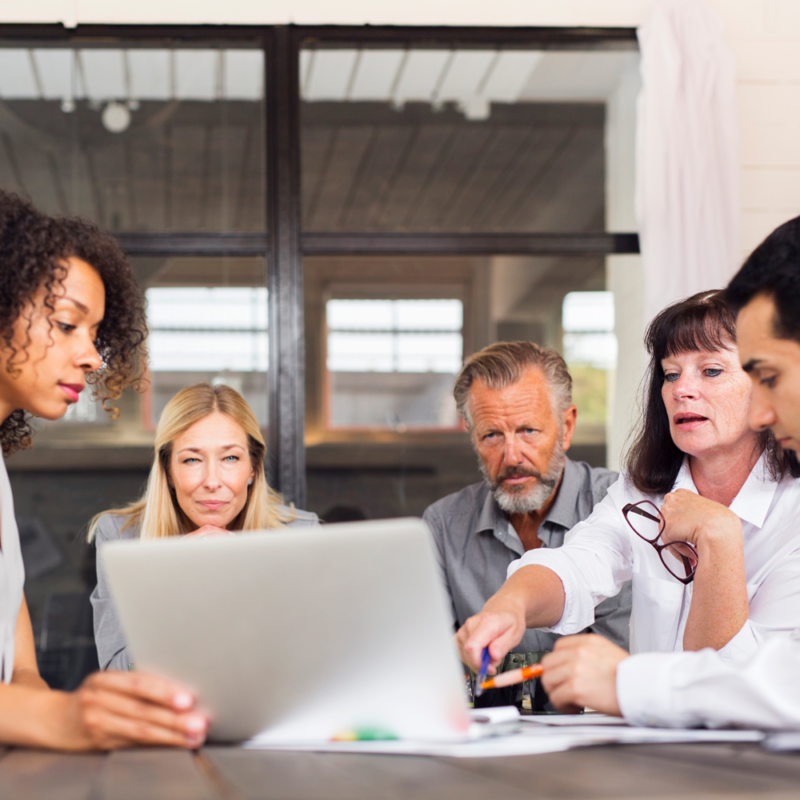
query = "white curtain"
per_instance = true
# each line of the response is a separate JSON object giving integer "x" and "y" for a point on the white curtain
{"x": 687, "y": 154}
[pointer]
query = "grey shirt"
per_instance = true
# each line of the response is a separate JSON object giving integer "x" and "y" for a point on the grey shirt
{"x": 112, "y": 651}
{"x": 475, "y": 542}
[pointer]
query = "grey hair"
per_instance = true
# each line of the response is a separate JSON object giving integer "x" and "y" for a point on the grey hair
{"x": 504, "y": 363}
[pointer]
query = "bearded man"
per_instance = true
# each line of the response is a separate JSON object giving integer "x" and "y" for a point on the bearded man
{"x": 516, "y": 400}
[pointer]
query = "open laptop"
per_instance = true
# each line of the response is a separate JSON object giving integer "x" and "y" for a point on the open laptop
{"x": 300, "y": 634}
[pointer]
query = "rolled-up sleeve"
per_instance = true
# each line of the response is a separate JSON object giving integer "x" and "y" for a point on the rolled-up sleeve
{"x": 696, "y": 689}
{"x": 593, "y": 564}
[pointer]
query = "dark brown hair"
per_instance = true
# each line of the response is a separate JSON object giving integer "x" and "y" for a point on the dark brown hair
{"x": 33, "y": 253}
{"x": 701, "y": 322}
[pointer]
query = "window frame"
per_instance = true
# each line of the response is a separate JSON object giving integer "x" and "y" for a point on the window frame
{"x": 284, "y": 243}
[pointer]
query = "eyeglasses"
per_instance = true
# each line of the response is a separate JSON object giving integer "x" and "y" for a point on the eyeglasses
{"x": 648, "y": 524}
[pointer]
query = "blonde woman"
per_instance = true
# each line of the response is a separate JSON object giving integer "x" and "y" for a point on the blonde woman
{"x": 207, "y": 478}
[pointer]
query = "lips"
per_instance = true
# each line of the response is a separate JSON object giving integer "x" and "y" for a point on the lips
{"x": 212, "y": 505}
{"x": 72, "y": 391}
{"x": 687, "y": 420}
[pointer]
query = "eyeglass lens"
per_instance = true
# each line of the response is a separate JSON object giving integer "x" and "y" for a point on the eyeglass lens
{"x": 646, "y": 521}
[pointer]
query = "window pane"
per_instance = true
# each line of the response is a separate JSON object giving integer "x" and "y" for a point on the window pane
{"x": 356, "y": 352}
{"x": 215, "y": 333}
{"x": 355, "y": 315}
{"x": 137, "y": 138}
{"x": 445, "y": 315}
{"x": 408, "y": 342}
{"x": 198, "y": 308}
{"x": 588, "y": 311}
{"x": 455, "y": 140}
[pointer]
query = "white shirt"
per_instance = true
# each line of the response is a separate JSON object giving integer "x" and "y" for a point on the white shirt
{"x": 12, "y": 576}
{"x": 690, "y": 689}
{"x": 602, "y": 552}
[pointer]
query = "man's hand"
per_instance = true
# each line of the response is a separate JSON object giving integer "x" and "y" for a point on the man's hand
{"x": 499, "y": 631}
{"x": 582, "y": 671}
{"x": 121, "y": 709}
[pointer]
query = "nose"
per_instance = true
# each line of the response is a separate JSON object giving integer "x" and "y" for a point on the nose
{"x": 513, "y": 453}
{"x": 685, "y": 387}
{"x": 211, "y": 479}
{"x": 89, "y": 359}
{"x": 762, "y": 414}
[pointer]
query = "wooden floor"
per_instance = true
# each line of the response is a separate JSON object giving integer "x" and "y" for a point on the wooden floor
{"x": 642, "y": 771}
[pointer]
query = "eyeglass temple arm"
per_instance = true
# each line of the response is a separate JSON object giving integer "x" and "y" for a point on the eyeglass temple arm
{"x": 631, "y": 509}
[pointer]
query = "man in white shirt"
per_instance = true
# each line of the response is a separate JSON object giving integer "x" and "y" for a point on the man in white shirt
{"x": 694, "y": 688}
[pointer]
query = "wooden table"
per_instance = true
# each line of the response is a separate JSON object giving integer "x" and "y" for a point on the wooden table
{"x": 625, "y": 771}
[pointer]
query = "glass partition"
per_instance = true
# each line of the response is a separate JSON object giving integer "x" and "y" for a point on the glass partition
{"x": 455, "y": 140}
{"x": 137, "y": 138}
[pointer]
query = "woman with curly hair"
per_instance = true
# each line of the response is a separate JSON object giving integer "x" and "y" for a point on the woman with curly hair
{"x": 70, "y": 315}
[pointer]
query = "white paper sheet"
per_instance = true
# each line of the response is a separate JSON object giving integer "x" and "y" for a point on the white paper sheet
{"x": 527, "y": 740}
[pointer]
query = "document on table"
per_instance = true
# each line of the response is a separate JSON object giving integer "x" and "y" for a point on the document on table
{"x": 495, "y": 740}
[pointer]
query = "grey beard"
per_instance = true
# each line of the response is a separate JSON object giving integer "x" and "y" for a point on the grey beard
{"x": 513, "y": 502}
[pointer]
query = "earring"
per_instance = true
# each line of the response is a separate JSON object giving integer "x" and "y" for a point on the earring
{"x": 250, "y": 482}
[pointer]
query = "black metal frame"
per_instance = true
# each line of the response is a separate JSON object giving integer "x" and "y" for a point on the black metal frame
{"x": 284, "y": 244}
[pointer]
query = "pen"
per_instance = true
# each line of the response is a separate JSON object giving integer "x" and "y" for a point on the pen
{"x": 511, "y": 677}
{"x": 485, "y": 659}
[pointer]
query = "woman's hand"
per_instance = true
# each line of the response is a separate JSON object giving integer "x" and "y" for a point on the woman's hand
{"x": 500, "y": 631}
{"x": 698, "y": 520}
{"x": 533, "y": 597}
{"x": 720, "y": 604}
{"x": 582, "y": 671}
{"x": 210, "y": 530}
{"x": 121, "y": 709}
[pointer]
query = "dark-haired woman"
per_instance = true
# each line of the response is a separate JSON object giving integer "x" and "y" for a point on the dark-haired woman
{"x": 70, "y": 315}
{"x": 725, "y": 491}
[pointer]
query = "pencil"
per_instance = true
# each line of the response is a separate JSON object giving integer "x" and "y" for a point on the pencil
{"x": 513, "y": 676}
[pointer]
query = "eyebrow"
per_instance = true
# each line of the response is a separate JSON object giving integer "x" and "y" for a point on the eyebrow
{"x": 80, "y": 306}
{"x": 752, "y": 364}
{"x": 200, "y": 449}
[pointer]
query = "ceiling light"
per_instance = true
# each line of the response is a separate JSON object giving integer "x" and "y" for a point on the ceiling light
{"x": 116, "y": 117}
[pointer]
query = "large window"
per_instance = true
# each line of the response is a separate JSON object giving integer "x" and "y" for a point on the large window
{"x": 208, "y": 334}
{"x": 392, "y": 362}
{"x": 330, "y": 220}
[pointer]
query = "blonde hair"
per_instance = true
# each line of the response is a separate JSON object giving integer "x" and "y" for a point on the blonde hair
{"x": 504, "y": 363}
{"x": 157, "y": 511}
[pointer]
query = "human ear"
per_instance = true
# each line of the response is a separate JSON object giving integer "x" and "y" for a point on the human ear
{"x": 570, "y": 418}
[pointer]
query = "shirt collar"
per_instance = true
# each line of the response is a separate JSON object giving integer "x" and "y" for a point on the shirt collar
{"x": 564, "y": 511}
{"x": 755, "y": 497}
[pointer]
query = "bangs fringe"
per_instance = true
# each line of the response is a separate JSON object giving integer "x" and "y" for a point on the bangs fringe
{"x": 701, "y": 323}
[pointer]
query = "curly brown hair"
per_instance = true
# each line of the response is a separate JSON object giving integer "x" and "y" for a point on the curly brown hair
{"x": 33, "y": 252}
